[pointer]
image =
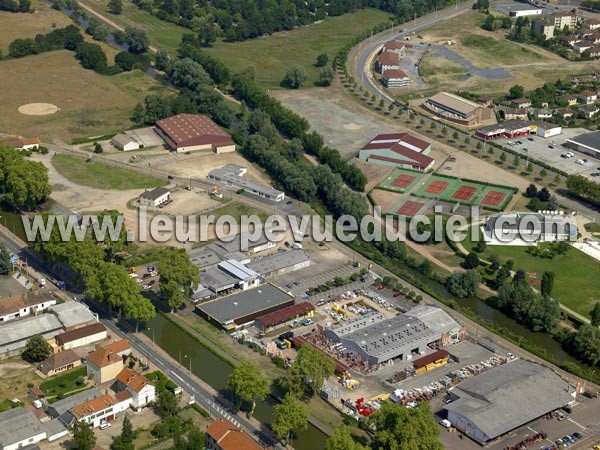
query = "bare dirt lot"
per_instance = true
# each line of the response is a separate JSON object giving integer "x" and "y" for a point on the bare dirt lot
{"x": 199, "y": 164}
{"x": 188, "y": 202}
{"x": 386, "y": 199}
{"x": 90, "y": 104}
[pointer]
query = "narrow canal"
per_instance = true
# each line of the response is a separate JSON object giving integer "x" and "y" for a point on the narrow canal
{"x": 11, "y": 220}
{"x": 214, "y": 371}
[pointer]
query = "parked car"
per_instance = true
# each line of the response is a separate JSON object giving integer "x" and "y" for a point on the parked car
{"x": 151, "y": 282}
{"x": 576, "y": 436}
{"x": 105, "y": 425}
{"x": 307, "y": 322}
{"x": 146, "y": 275}
{"x": 150, "y": 268}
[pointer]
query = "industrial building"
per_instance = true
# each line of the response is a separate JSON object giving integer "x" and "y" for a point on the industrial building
{"x": 399, "y": 150}
{"x": 27, "y": 304}
{"x": 438, "y": 320}
{"x": 457, "y": 109}
{"x": 283, "y": 315}
{"x": 547, "y": 129}
{"x": 271, "y": 266}
{"x": 506, "y": 397}
{"x": 79, "y": 337}
{"x": 377, "y": 339}
{"x": 229, "y": 274}
{"x": 243, "y": 308}
{"x": 189, "y": 132}
{"x": 525, "y": 228}
{"x": 588, "y": 143}
{"x": 233, "y": 175}
{"x": 124, "y": 142}
{"x": 20, "y": 428}
{"x": 518, "y": 9}
{"x": 509, "y": 129}
{"x": 156, "y": 197}
{"x": 60, "y": 407}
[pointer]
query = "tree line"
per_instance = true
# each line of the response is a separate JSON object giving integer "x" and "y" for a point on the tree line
{"x": 584, "y": 187}
{"x": 23, "y": 183}
{"x": 22, "y": 6}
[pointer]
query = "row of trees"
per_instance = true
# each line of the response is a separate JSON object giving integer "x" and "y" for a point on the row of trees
{"x": 584, "y": 187}
{"x": 103, "y": 280}
{"x": 68, "y": 38}
{"x": 14, "y": 6}
{"x": 24, "y": 183}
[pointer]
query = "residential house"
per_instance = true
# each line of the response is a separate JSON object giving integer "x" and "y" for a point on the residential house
{"x": 103, "y": 365}
{"x": 395, "y": 78}
{"x": 95, "y": 411}
{"x": 124, "y": 143}
{"x": 564, "y": 19}
{"x": 588, "y": 111}
{"x": 59, "y": 362}
{"x": 19, "y": 428}
{"x": 24, "y": 305}
{"x": 569, "y": 98}
{"x": 588, "y": 97}
{"x": 223, "y": 435}
{"x": 60, "y": 407}
{"x": 594, "y": 37}
{"x": 569, "y": 40}
{"x": 592, "y": 52}
{"x": 394, "y": 47}
{"x": 514, "y": 113}
{"x": 592, "y": 24}
{"x": 520, "y": 103}
{"x": 564, "y": 113}
{"x": 79, "y": 337}
{"x": 581, "y": 46}
{"x": 120, "y": 347}
{"x": 542, "y": 113}
{"x": 140, "y": 389}
{"x": 156, "y": 197}
{"x": 19, "y": 142}
{"x": 388, "y": 61}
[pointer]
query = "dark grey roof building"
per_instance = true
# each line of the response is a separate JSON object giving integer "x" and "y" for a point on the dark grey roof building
{"x": 506, "y": 397}
{"x": 19, "y": 428}
{"x": 238, "y": 309}
{"x": 588, "y": 143}
{"x": 60, "y": 407}
{"x": 377, "y": 339}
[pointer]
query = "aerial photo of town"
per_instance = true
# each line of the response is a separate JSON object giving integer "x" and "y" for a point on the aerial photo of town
{"x": 310, "y": 225}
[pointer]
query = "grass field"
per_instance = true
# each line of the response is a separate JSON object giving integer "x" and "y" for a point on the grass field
{"x": 90, "y": 104}
{"x": 395, "y": 184}
{"x": 271, "y": 56}
{"x": 449, "y": 187}
{"x": 100, "y": 176}
{"x": 162, "y": 34}
{"x": 483, "y": 48}
{"x": 64, "y": 383}
{"x": 577, "y": 275}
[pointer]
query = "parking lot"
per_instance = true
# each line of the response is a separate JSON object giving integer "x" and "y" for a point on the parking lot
{"x": 549, "y": 150}
{"x": 584, "y": 419}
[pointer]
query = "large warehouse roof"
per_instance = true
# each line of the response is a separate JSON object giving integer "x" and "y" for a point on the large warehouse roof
{"x": 14, "y": 334}
{"x": 435, "y": 318}
{"x": 455, "y": 102}
{"x": 18, "y": 425}
{"x": 508, "y": 396}
{"x": 278, "y": 261}
{"x": 245, "y": 303}
{"x": 186, "y": 130}
{"x": 590, "y": 140}
{"x": 384, "y": 338}
{"x": 73, "y": 314}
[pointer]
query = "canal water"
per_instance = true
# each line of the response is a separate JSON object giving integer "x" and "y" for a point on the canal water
{"x": 11, "y": 219}
{"x": 214, "y": 371}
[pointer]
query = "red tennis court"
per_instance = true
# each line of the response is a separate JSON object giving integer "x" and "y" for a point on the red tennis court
{"x": 464, "y": 192}
{"x": 403, "y": 181}
{"x": 493, "y": 198}
{"x": 436, "y": 187}
{"x": 410, "y": 208}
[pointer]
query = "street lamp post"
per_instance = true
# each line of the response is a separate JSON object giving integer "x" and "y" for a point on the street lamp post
{"x": 185, "y": 356}
{"x": 152, "y": 333}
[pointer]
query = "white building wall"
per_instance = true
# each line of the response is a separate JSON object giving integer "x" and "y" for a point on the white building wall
{"x": 86, "y": 340}
{"x": 145, "y": 396}
{"x": 32, "y": 440}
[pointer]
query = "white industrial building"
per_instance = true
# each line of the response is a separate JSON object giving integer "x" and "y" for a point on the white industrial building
{"x": 527, "y": 228}
{"x": 20, "y": 428}
{"x": 79, "y": 337}
{"x": 233, "y": 175}
{"x": 546, "y": 129}
{"x": 156, "y": 197}
{"x": 124, "y": 143}
{"x": 279, "y": 263}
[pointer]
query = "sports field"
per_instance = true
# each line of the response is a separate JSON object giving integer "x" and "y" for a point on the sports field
{"x": 401, "y": 180}
{"x": 454, "y": 190}
{"x": 409, "y": 208}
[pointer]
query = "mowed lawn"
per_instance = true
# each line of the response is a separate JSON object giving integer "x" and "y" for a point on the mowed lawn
{"x": 90, "y": 104}
{"x": 272, "y": 55}
{"x": 100, "y": 176}
{"x": 577, "y": 275}
{"x": 162, "y": 34}
{"x": 483, "y": 48}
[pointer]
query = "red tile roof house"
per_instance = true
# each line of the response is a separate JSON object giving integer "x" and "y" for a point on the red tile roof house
{"x": 140, "y": 389}
{"x": 395, "y": 78}
{"x": 223, "y": 435}
{"x": 388, "y": 61}
{"x": 398, "y": 150}
{"x": 394, "y": 47}
{"x": 189, "y": 132}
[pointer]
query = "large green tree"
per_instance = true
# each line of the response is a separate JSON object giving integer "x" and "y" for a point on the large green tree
{"x": 402, "y": 428}
{"x": 23, "y": 182}
{"x": 308, "y": 372}
{"x": 178, "y": 276}
{"x": 115, "y": 6}
{"x": 547, "y": 283}
{"x": 295, "y": 76}
{"x": 36, "y": 349}
{"x": 290, "y": 416}
{"x": 341, "y": 439}
{"x": 83, "y": 436}
{"x": 125, "y": 440}
{"x": 586, "y": 343}
{"x": 137, "y": 40}
{"x": 194, "y": 440}
{"x": 464, "y": 284}
{"x": 91, "y": 56}
{"x": 5, "y": 264}
{"x": 248, "y": 384}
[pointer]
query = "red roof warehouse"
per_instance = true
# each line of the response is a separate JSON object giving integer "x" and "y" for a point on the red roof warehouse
{"x": 187, "y": 132}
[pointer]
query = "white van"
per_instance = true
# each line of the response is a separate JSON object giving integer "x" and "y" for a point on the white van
{"x": 445, "y": 423}
{"x": 105, "y": 425}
